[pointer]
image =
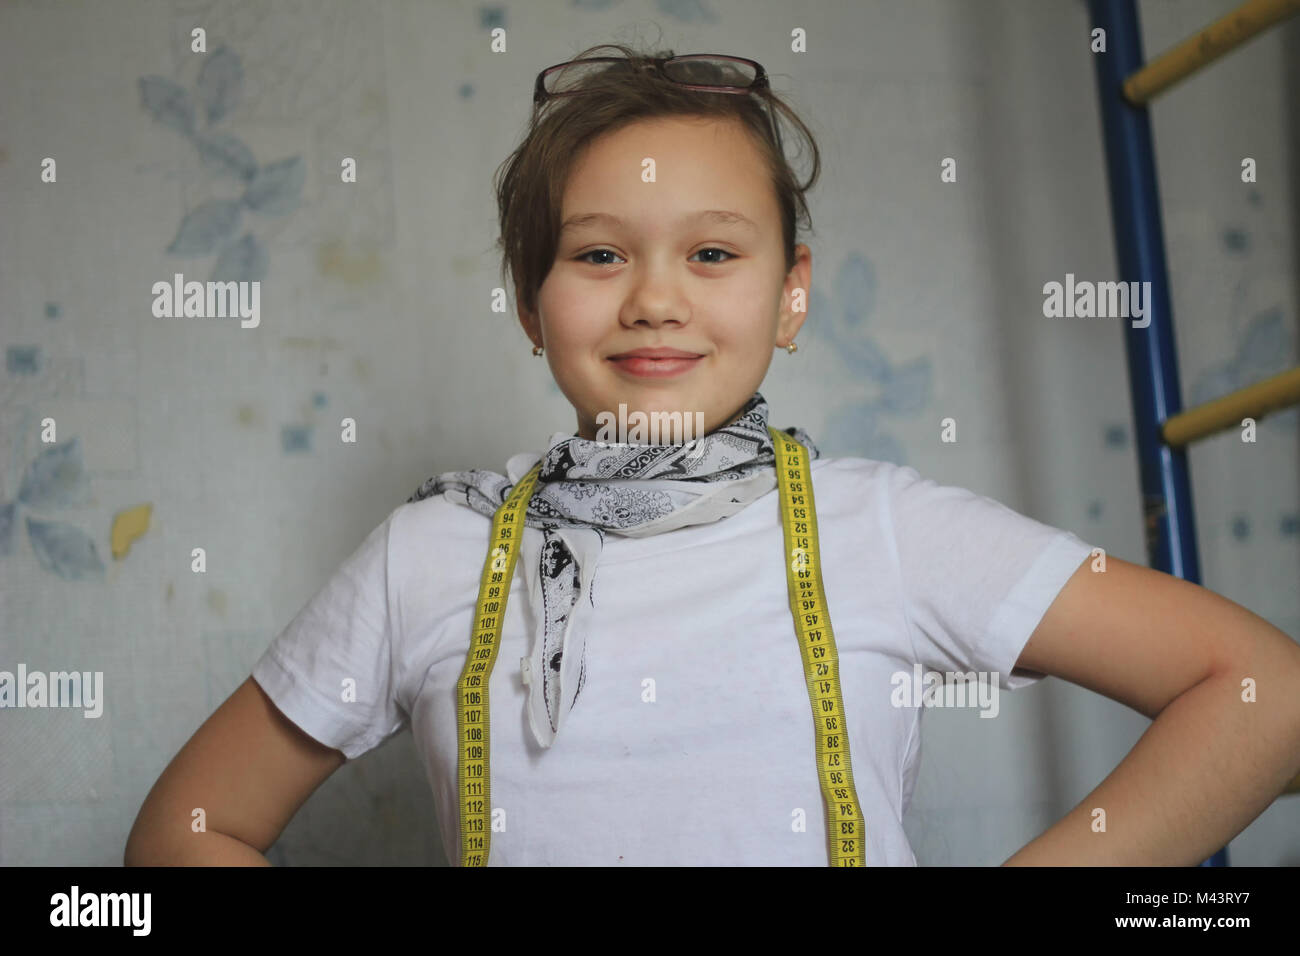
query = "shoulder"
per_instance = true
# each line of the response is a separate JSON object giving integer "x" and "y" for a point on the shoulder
{"x": 432, "y": 518}
{"x": 901, "y": 483}
{"x": 862, "y": 472}
{"x": 909, "y": 502}
{"x": 429, "y": 541}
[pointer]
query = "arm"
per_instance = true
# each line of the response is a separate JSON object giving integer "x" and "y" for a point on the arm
{"x": 249, "y": 768}
{"x": 1178, "y": 653}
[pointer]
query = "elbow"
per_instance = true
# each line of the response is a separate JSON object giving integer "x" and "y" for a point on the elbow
{"x": 133, "y": 854}
{"x": 141, "y": 849}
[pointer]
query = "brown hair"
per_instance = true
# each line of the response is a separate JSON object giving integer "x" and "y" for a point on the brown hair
{"x": 530, "y": 183}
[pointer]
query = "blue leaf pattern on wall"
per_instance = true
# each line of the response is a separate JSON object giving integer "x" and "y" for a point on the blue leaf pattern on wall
{"x": 855, "y": 288}
{"x": 242, "y": 261}
{"x": 227, "y": 155}
{"x": 1218, "y": 379}
{"x": 274, "y": 189}
{"x": 56, "y": 478}
{"x": 867, "y": 357}
{"x": 67, "y": 551}
{"x": 220, "y": 81}
{"x": 277, "y": 187}
{"x": 167, "y": 103}
{"x": 907, "y": 389}
{"x": 857, "y": 427}
{"x": 204, "y": 227}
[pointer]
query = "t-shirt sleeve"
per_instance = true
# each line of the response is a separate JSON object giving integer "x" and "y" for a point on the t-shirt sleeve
{"x": 976, "y": 576}
{"x": 330, "y": 671}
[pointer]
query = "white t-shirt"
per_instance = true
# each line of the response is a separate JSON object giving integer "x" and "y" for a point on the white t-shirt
{"x": 692, "y": 741}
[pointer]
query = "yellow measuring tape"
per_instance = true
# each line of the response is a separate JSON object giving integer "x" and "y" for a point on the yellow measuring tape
{"x": 846, "y": 844}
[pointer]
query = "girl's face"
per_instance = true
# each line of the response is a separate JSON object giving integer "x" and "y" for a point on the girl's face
{"x": 640, "y": 265}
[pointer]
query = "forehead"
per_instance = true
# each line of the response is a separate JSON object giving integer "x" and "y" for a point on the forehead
{"x": 698, "y": 164}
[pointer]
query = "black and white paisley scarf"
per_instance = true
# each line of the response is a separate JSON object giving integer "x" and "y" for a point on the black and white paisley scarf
{"x": 586, "y": 488}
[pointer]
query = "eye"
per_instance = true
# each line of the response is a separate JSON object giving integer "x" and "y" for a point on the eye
{"x": 596, "y": 252}
{"x": 716, "y": 261}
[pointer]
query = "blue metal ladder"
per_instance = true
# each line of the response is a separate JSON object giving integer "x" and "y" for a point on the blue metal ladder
{"x": 1139, "y": 243}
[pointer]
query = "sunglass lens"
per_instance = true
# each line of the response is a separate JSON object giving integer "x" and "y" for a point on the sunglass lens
{"x": 708, "y": 71}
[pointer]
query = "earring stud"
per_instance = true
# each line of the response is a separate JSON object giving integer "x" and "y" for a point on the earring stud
{"x": 537, "y": 349}
{"x": 792, "y": 348}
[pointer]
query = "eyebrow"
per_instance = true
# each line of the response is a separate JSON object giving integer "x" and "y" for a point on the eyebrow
{"x": 719, "y": 216}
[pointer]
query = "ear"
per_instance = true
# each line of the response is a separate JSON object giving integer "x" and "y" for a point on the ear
{"x": 798, "y": 289}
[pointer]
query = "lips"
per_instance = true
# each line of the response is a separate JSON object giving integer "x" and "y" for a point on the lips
{"x": 655, "y": 363}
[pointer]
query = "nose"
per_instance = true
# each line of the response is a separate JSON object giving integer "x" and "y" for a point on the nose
{"x": 654, "y": 320}
{"x": 654, "y": 303}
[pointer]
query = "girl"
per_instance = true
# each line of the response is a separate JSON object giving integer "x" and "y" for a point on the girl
{"x": 709, "y": 651}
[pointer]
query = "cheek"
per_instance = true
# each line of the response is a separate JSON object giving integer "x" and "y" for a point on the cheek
{"x": 748, "y": 325}
{"x": 571, "y": 317}
{"x": 577, "y": 333}
{"x": 760, "y": 305}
